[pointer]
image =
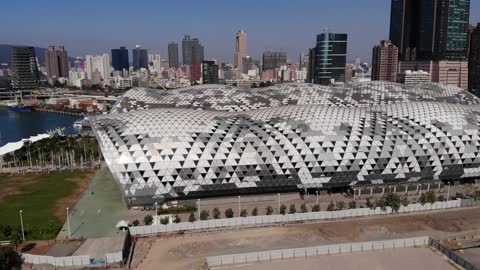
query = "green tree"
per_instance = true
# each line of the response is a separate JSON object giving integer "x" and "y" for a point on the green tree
{"x": 381, "y": 203}
{"x": 204, "y": 214}
{"x": 216, "y": 213}
{"x": 352, "y": 204}
{"x": 148, "y": 220}
{"x": 191, "y": 218}
{"x": 405, "y": 201}
{"x": 283, "y": 209}
{"x": 303, "y": 208}
{"x": 476, "y": 195}
{"x": 316, "y": 208}
{"x": 135, "y": 223}
{"x": 229, "y": 213}
{"x": 164, "y": 220}
{"x": 243, "y": 213}
{"x": 7, "y": 231}
{"x": 423, "y": 199}
{"x": 340, "y": 205}
{"x": 370, "y": 204}
{"x": 16, "y": 239}
{"x": 441, "y": 198}
{"x": 9, "y": 258}
{"x": 176, "y": 219}
{"x": 331, "y": 206}
{"x": 431, "y": 196}
{"x": 392, "y": 200}
{"x": 292, "y": 209}
{"x": 269, "y": 210}
{"x": 254, "y": 212}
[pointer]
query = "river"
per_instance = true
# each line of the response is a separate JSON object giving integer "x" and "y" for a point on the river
{"x": 15, "y": 126}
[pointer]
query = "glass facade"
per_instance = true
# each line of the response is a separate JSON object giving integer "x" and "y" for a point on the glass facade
{"x": 457, "y": 29}
{"x": 330, "y": 58}
{"x": 430, "y": 29}
{"x": 120, "y": 59}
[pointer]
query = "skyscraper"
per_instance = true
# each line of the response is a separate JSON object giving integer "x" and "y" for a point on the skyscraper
{"x": 209, "y": 72}
{"x": 98, "y": 64}
{"x": 474, "y": 61}
{"x": 120, "y": 59}
{"x": 330, "y": 58}
{"x": 240, "y": 49}
{"x": 25, "y": 75}
{"x": 154, "y": 61}
{"x": 273, "y": 60}
{"x": 140, "y": 58}
{"x": 385, "y": 62}
{"x": 56, "y": 63}
{"x": 430, "y": 29}
{"x": 192, "y": 51}
{"x": 173, "y": 55}
{"x": 247, "y": 64}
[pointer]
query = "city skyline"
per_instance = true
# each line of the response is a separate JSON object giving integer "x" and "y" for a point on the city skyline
{"x": 366, "y": 23}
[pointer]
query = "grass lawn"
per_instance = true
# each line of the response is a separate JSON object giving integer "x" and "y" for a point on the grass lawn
{"x": 43, "y": 199}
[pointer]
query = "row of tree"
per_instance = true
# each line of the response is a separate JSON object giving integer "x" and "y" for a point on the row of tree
{"x": 56, "y": 152}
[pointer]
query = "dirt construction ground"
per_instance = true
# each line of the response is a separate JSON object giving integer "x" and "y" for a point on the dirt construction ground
{"x": 189, "y": 251}
{"x": 392, "y": 259}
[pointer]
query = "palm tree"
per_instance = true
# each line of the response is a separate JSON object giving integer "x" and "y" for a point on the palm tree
{"x": 16, "y": 239}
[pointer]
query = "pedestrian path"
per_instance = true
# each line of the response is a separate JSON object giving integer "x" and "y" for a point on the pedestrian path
{"x": 98, "y": 211}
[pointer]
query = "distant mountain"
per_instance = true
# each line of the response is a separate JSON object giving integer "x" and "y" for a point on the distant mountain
{"x": 6, "y": 54}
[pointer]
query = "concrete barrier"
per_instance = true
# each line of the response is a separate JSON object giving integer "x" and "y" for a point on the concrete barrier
{"x": 299, "y": 253}
{"x": 56, "y": 261}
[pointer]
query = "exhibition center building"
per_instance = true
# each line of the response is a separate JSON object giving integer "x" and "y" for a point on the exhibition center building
{"x": 218, "y": 140}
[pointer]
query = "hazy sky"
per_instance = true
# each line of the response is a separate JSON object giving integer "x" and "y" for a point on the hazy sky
{"x": 91, "y": 27}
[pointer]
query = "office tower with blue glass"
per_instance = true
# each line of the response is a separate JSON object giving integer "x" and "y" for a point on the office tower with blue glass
{"x": 120, "y": 59}
{"x": 330, "y": 58}
{"x": 140, "y": 58}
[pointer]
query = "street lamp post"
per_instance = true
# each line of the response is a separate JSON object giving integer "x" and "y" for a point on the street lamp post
{"x": 448, "y": 191}
{"x": 239, "y": 206}
{"x": 156, "y": 211}
{"x": 21, "y": 223}
{"x": 68, "y": 224}
{"x": 198, "y": 204}
{"x": 317, "y": 197}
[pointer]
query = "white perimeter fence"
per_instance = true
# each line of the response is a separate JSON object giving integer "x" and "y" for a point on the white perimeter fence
{"x": 69, "y": 261}
{"x": 297, "y": 217}
{"x": 299, "y": 253}
{"x": 56, "y": 261}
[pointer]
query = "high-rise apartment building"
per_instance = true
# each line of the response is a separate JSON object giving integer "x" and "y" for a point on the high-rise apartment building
{"x": 56, "y": 63}
{"x": 474, "y": 61}
{"x": 154, "y": 61}
{"x": 192, "y": 51}
{"x": 330, "y": 58}
{"x": 430, "y": 29}
{"x": 98, "y": 63}
{"x": 120, "y": 59}
{"x": 444, "y": 72}
{"x": 385, "y": 62}
{"x": 25, "y": 75}
{"x": 140, "y": 58}
{"x": 414, "y": 77}
{"x": 240, "y": 49}
{"x": 273, "y": 60}
{"x": 247, "y": 64}
{"x": 173, "y": 55}
{"x": 209, "y": 72}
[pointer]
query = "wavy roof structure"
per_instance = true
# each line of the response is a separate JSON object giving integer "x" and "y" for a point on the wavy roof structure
{"x": 232, "y": 99}
{"x": 215, "y": 140}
